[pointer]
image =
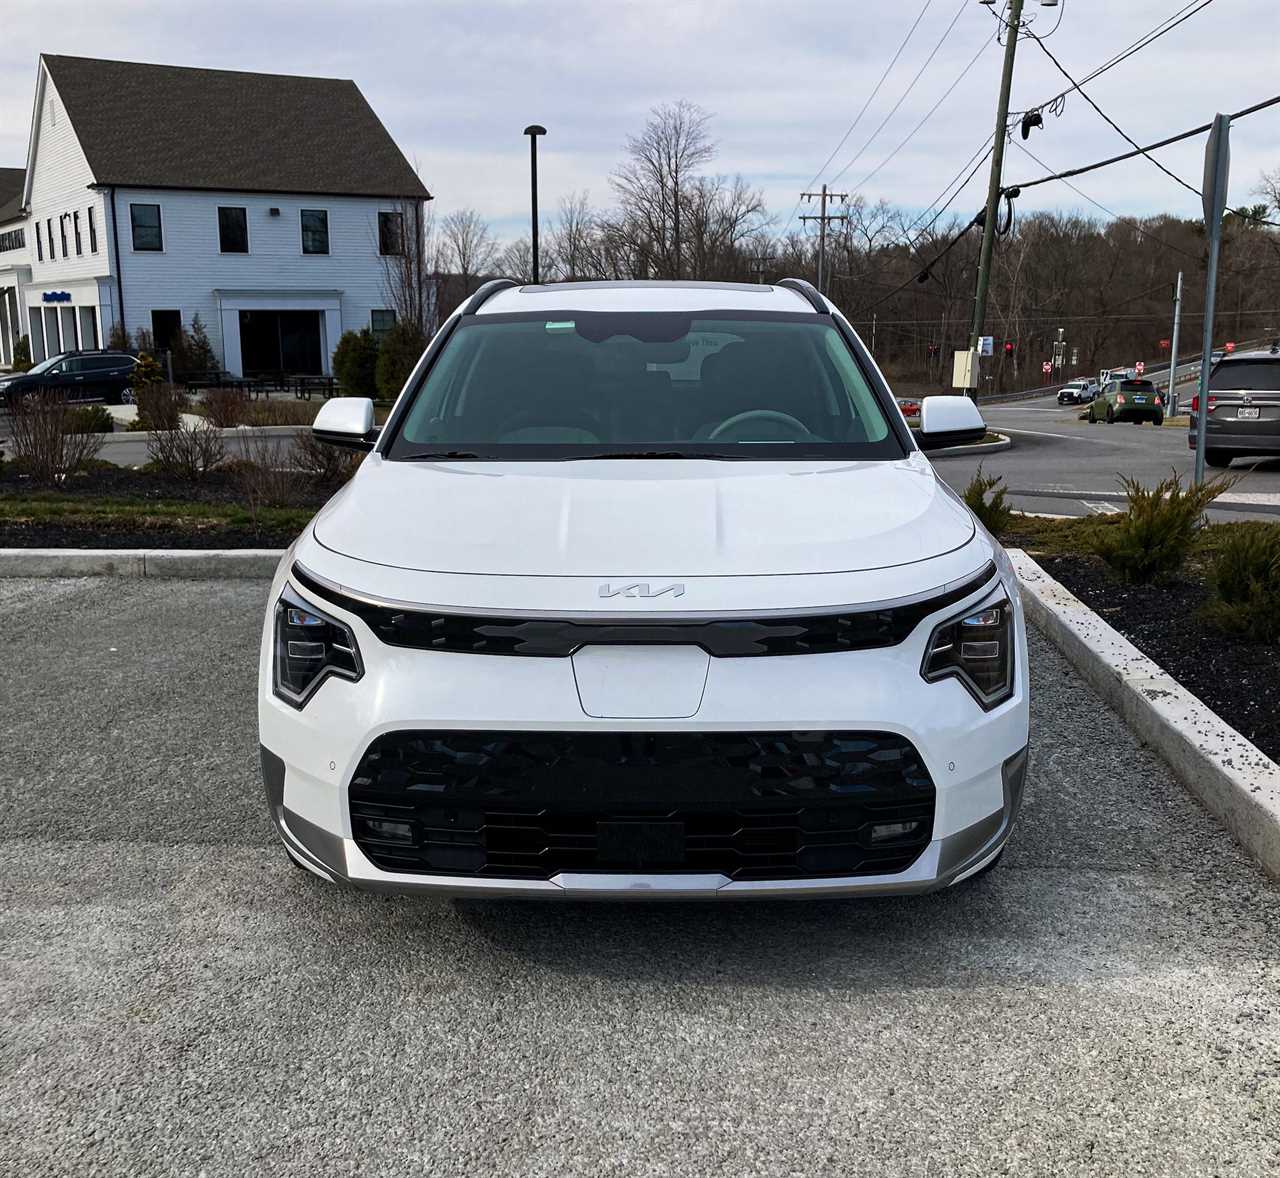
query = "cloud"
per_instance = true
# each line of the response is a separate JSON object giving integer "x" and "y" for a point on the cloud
{"x": 456, "y": 82}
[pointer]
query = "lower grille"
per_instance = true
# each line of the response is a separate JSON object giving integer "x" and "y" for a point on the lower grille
{"x": 748, "y": 805}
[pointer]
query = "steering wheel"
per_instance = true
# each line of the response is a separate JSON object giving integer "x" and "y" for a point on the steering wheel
{"x": 774, "y": 415}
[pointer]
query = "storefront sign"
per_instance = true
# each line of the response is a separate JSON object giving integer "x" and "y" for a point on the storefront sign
{"x": 56, "y": 296}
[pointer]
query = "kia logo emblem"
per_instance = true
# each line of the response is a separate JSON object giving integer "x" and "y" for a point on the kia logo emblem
{"x": 641, "y": 589}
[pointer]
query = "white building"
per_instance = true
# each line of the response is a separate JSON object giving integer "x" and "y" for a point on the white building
{"x": 266, "y": 204}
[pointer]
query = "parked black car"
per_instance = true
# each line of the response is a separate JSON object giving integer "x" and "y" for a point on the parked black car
{"x": 81, "y": 376}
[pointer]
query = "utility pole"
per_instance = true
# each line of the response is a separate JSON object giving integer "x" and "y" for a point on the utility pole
{"x": 874, "y": 317}
{"x": 1012, "y": 24}
{"x": 822, "y": 218}
{"x": 1173, "y": 348}
{"x": 758, "y": 264}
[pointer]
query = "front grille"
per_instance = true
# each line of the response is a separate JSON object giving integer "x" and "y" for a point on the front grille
{"x": 850, "y": 630}
{"x": 748, "y": 805}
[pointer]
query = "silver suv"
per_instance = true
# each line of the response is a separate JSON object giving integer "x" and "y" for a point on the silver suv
{"x": 1244, "y": 408}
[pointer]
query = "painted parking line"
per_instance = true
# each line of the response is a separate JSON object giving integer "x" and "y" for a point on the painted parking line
{"x": 1098, "y": 507}
{"x": 1035, "y": 433}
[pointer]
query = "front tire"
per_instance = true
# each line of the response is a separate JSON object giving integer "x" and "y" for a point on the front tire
{"x": 1218, "y": 458}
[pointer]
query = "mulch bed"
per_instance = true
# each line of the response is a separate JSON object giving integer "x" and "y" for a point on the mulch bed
{"x": 1234, "y": 677}
{"x": 109, "y": 481}
{"x": 51, "y": 535}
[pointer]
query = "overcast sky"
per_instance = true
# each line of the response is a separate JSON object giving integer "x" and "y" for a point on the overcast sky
{"x": 456, "y": 82}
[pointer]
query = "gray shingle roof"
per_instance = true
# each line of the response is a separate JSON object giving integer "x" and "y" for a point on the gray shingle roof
{"x": 163, "y": 126}
{"x": 10, "y": 192}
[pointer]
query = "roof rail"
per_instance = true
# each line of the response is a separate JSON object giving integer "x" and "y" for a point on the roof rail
{"x": 486, "y": 292}
{"x": 806, "y": 291}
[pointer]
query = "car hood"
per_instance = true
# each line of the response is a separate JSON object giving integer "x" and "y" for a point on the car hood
{"x": 644, "y": 518}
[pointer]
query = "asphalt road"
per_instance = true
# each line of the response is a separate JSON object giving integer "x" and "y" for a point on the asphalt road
{"x": 178, "y": 1000}
{"x": 1061, "y": 465}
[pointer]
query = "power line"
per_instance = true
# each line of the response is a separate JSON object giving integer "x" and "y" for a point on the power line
{"x": 910, "y": 86}
{"x": 1107, "y": 118}
{"x": 1111, "y": 213}
{"x": 858, "y": 117}
{"x": 1133, "y": 142}
{"x": 976, "y": 168}
{"x": 1128, "y": 155}
{"x": 932, "y": 111}
{"x": 1165, "y": 26}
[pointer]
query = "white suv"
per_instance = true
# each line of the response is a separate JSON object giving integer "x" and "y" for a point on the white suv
{"x": 645, "y": 589}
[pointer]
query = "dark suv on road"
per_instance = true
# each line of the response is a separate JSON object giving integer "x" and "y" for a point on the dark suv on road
{"x": 1244, "y": 408}
{"x": 81, "y": 376}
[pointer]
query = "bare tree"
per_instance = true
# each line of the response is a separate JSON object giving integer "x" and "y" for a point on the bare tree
{"x": 410, "y": 262}
{"x": 516, "y": 260}
{"x": 665, "y": 156}
{"x": 469, "y": 247}
{"x": 573, "y": 248}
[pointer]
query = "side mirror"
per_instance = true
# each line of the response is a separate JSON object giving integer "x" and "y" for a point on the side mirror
{"x": 949, "y": 421}
{"x": 346, "y": 422}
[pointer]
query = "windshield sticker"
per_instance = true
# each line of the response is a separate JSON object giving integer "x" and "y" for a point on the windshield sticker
{"x": 560, "y": 324}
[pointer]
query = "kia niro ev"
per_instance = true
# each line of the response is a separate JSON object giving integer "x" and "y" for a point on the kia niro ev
{"x": 645, "y": 589}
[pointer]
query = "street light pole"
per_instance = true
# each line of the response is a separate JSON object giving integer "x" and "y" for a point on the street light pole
{"x": 533, "y": 131}
{"x": 1012, "y": 24}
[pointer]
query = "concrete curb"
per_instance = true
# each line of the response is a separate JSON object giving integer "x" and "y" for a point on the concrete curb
{"x": 193, "y": 564}
{"x": 973, "y": 448}
{"x": 1231, "y": 776}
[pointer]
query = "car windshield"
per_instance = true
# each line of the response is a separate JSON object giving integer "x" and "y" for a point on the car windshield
{"x": 1256, "y": 375}
{"x": 646, "y": 385}
{"x": 45, "y": 365}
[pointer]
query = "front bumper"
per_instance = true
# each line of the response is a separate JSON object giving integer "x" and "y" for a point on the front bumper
{"x": 944, "y": 861}
{"x": 976, "y": 759}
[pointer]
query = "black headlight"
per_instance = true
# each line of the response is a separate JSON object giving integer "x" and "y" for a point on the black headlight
{"x": 977, "y": 649}
{"x": 309, "y": 647}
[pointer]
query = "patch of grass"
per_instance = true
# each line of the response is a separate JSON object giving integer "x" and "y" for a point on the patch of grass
{"x": 145, "y": 513}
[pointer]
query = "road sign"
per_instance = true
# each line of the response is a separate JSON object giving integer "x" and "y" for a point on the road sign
{"x": 1046, "y": 367}
{"x": 985, "y": 344}
{"x": 1217, "y": 167}
{"x": 1164, "y": 345}
{"x": 1140, "y": 367}
{"x": 1229, "y": 346}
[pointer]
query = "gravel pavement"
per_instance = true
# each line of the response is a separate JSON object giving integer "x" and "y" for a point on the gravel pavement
{"x": 176, "y": 999}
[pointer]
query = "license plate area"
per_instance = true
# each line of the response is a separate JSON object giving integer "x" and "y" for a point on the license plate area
{"x": 1246, "y": 413}
{"x": 640, "y": 843}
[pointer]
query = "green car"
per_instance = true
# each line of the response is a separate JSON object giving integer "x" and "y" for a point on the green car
{"x": 1127, "y": 400}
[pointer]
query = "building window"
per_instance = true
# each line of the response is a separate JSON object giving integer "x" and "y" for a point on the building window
{"x": 93, "y": 232}
{"x": 233, "y": 230}
{"x": 147, "y": 235}
{"x": 39, "y": 244}
{"x": 75, "y": 225}
{"x": 14, "y": 239}
{"x": 381, "y": 322}
{"x": 53, "y": 253}
{"x": 62, "y": 232}
{"x": 390, "y": 233}
{"x": 315, "y": 231}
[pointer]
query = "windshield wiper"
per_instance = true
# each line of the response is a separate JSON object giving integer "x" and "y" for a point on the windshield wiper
{"x": 642, "y": 454}
{"x": 443, "y": 455}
